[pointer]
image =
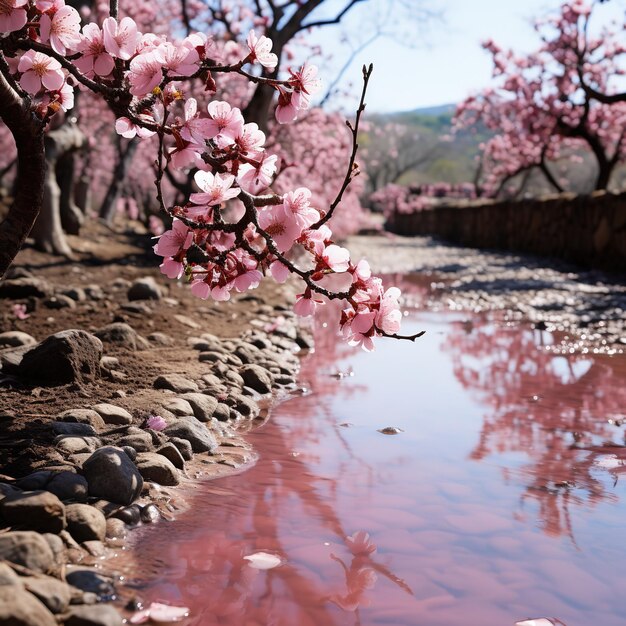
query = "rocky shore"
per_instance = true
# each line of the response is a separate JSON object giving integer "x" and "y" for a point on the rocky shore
{"x": 113, "y": 391}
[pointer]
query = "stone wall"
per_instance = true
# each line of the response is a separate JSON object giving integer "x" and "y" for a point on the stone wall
{"x": 587, "y": 230}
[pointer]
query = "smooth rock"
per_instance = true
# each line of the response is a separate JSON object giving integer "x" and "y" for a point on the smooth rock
{"x": 140, "y": 442}
{"x": 59, "y": 302}
{"x": 85, "y": 523}
{"x": 173, "y": 455}
{"x": 222, "y": 412}
{"x": 18, "y": 288}
{"x": 123, "y": 336}
{"x": 144, "y": 289}
{"x": 115, "y": 528}
{"x": 8, "y": 576}
{"x": 160, "y": 339}
{"x": 203, "y": 406}
{"x": 20, "y": 608}
{"x": 11, "y": 358}
{"x": 257, "y": 378}
{"x": 52, "y": 593}
{"x": 112, "y": 414}
{"x": 158, "y": 469}
{"x": 91, "y": 581}
{"x": 57, "y": 545}
{"x": 76, "y": 445}
{"x": 29, "y": 549}
{"x": 111, "y": 475}
{"x": 82, "y": 416}
{"x": 150, "y": 514}
{"x": 183, "y": 446}
{"x": 75, "y": 293}
{"x": 99, "y": 615}
{"x": 178, "y": 406}
{"x": 194, "y": 432}
{"x": 34, "y": 510}
{"x": 175, "y": 382}
{"x": 130, "y": 515}
{"x": 15, "y": 339}
{"x": 65, "y": 357}
{"x": 74, "y": 429}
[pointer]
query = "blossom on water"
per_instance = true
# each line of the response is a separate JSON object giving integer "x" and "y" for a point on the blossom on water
{"x": 39, "y": 70}
{"x": 62, "y": 29}
{"x": 12, "y": 15}
{"x": 95, "y": 59}
{"x": 120, "y": 40}
{"x": 359, "y": 543}
{"x": 260, "y": 50}
{"x": 160, "y": 614}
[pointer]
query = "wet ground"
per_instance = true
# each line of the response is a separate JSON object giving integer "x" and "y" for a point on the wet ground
{"x": 493, "y": 494}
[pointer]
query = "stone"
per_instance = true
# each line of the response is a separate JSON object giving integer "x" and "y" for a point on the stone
{"x": 91, "y": 581}
{"x": 111, "y": 475}
{"x": 85, "y": 523}
{"x": 74, "y": 429}
{"x": 57, "y": 545}
{"x": 175, "y": 382}
{"x": 140, "y": 442}
{"x": 109, "y": 362}
{"x": 257, "y": 378}
{"x": 65, "y": 357}
{"x": 68, "y": 486}
{"x": 35, "y": 481}
{"x": 194, "y": 432}
{"x": 144, "y": 289}
{"x": 222, "y": 412}
{"x": 112, "y": 414}
{"x": 122, "y": 335}
{"x": 20, "y": 608}
{"x": 173, "y": 455}
{"x": 245, "y": 406}
{"x": 157, "y": 469}
{"x": 94, "y": 292}
{"x": 34, "y": 510}
{"x": 15, "y": 339}
{"x": 29, "y": 549}
{"x": 11, "y": 358}
{"x": 52, "y": 593}
{"x": 186, "y": 321}
{"x": 150, "y": 514}
{"x": 130, "y": 515}
{"x": 94, "y": 547}
{"x": 8, "y": 576}
{"x": 19, "y": 288}
{"x": 98, "y": 615}
{"x": 115, "y": 528}
{"x": 183, "y": 446}
{"x": 76, "y": 445}
{"x": 76, "y": 293}
{"x": 248, "y": 353}
{"x": 178, "y": 406}
{"x": 139, "y": 308}
{"x": 82, "y": 416}
{"x": 203, "y": 406}
{"x": 160, "y": 339}
{"x": 130, "y": 452}
{"x": 59, "y": 302}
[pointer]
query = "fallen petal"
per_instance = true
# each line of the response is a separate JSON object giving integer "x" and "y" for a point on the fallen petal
{"x": 166, "y": 614}
{"x": 540, "y": 621}
{"x": 140, "y": 617}
{"x": 263, "y": 560}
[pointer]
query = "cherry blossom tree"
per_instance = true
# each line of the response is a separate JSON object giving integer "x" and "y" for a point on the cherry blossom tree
{"x": 227, "y": 236}
{"x": 539, "y": 109}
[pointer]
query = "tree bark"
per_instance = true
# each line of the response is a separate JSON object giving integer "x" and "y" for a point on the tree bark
{"x": 124, "y": 161}
{"x": 27, "y": 131}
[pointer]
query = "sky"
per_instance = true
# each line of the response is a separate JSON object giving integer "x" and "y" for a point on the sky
{"x": 445, "y": 62}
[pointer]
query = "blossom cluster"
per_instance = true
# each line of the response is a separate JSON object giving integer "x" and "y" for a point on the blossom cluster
{"x": 227, "y": 236}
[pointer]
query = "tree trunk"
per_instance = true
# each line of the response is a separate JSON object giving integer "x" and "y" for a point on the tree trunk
{"x": 72, "y": 217}
{"x": 124, "y": 161}
{"x": 27, "y": 132}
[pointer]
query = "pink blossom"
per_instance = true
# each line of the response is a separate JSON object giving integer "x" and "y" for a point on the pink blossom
{"x": 225, "y": 122}
{"x": 120, "y": 40}
{"x": 19, "y": 310}
{"x": 216, "y": 188}
{"x": 39, "y": 70}
{"x": 160, "y": 613}
{"x": 146, "y": 72}
{"x": 156, "y": 225}
{"x": 359, "y": 543}
{"x": 305, "y": 81}
{"x": 389, "y": 316}
{"x": 260, "y": 50}
{"x": 280, "y": 226}
{"x": 171, "y": 242}
{"x": 336, "y": 258}
{"x": 94, "y": 59}
{"x": 181, "y": 60}
{"x": 286, "y": 109}
{"x": 171, "y": 268}
{"x": 126, "y": 128}
{"x": 255, "y": 178}
{"x": 12, "y": 15}
{"x": 279, "y": 271}
{"x": 250, "y": 139}
{"x": 359, "y": 328}
{"x": 362, "y": 271}
{"x": 315, "y": 240}
{"x": 156, "y": 422}
{"x": 298, "y": 203}
{"x": 62, "y": 30}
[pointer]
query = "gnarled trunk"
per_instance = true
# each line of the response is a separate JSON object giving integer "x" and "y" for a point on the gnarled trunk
{"x": 124, "y": 161}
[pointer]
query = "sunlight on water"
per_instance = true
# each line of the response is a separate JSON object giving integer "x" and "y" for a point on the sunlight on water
{"x": 498, "y": 499}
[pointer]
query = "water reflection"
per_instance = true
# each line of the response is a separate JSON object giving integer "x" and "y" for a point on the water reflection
{"x": 561, "y": 413}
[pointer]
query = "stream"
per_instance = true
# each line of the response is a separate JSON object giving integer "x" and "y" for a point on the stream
{"x": 494, "y": 494}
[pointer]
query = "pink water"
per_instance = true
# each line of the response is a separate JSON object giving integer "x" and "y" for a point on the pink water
{"x": 501, "y": 499}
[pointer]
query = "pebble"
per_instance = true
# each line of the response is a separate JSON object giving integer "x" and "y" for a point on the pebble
{"x": 160, "y": 339}
{"x": 178, "y": 406}
{"x": 140, "y": 442}
{"x": 59, "y": 302}
{"x": 194, "y": 432}
{"x": 113, "y": 414}
{"x": 173, "y": 455}
{"x": 19, "y": 288}
{"x": 158, "y": 469}
{"x": 16, "y": 338}
{"x": 102, "y": 615}
{"x": 75, "y": 429}
{"x": 144, "y": 289}
{"x": 257, "y": 377}
{"x": 203, "y": 406}
{"x": 20, "y": 608}
{"x": 183, "y": 446}
{"x": 91, "y": 581}
{"x": 82, "y": 416}
{"x": 53, "y": 593}
{"x": 122, "y": 335}
{"x": 175, "y": 382}
{"x": 150, "y": 514}
{"x": 111, "y": 475}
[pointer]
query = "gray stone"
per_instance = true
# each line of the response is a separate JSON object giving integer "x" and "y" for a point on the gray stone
{"x": 130, "y": 515}
{"x": 203, "y": 406}
{"x": 76, "y": 445}
{"x": 247, "y": 407}
{"x": 130, "y": 452}
{"x": 85, "y": 523}
{"x": 75, "y": 429}
{"x": 91, "y": 581}
{"x": 175, "y": 382}
{"x": 99, "y": 615}
{"x": 8, "y": 576}
{"x": 65, "y": 357}
{"x": 29, "y": 549}
{"x": 222, "y": 412}
{"x": 115, "y": 528}
{"x": 18, "y": 288}
{"x": 20, "y": 608}
{"x": 212, "y": 357}
{"x": 140, "y": 442}
{"x": 257, "y": 378}
{"x": 157, "y": 469}
{"x": 52, "y": 593}
{"x": 248, "y": 353}
{"x": 150, "y": 514}
{"x": 76, "y": 293}
{"x": 82, "y": 416}
{"x": 112, "y": 414}
{"x": 16, "y": 338}
{"x": 94, "y": 292}
{"x": 178, "y": 406}
{"x": 123, "y": 336}
{"x": 35, "y": 481}
{"x": 57, "y": 545}
{"x": 144, "y": 289}
{"x": 109, "y": 362}
{"x": 173, "y": 455}
{"x": 59, "y": 302}
{"x": 194, "y": 432}
{"x": 160, "y": 339}
{"x": 183, "y": 446}
{"x": 34, "y": 510}
{"x": 11, "y": 358}
{"x": 112, "y": 475}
